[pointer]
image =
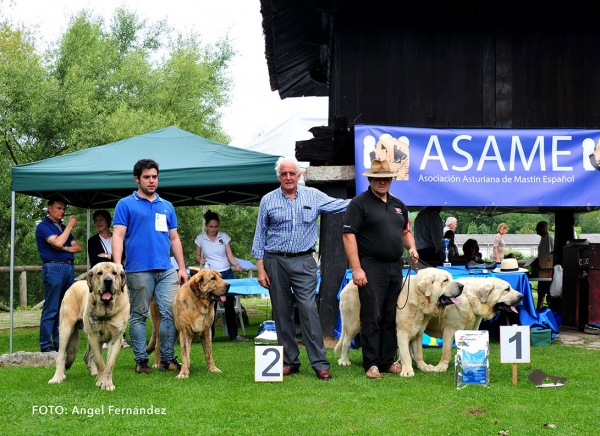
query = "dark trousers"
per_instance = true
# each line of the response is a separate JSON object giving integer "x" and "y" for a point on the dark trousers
{"x": 430, "y": 256}
{"x": 299, "y": 274}
{"x": 378, "y": 301}
{"x": 57, "y": 278}
{"x": 229, "y": 305}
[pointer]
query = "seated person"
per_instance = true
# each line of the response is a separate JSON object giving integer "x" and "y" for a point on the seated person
{"x": 471, "y": 254}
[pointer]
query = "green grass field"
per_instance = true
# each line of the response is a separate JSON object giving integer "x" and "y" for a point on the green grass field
{"x": 232, "y": 403}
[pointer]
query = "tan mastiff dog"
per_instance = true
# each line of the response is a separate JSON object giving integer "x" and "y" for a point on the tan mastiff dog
{"x": 99, "y": 305}
{"x": 482, "y": 298}
{"x": 193, "y": 313}
{"x": 422, "y": 296}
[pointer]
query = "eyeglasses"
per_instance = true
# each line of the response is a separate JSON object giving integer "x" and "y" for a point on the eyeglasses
{"x": 287, "y": 174}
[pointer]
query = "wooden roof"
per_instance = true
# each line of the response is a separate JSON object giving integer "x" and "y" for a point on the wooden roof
{"x": 295, "y": 34}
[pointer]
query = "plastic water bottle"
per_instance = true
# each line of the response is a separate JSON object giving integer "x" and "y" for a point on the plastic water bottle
{"x": 187, "y": 270}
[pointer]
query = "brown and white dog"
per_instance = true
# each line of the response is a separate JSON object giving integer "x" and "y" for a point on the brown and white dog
{"x": 193, "y": 313}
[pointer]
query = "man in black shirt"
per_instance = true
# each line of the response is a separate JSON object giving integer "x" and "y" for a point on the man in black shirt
{"x": 376, "y": 230}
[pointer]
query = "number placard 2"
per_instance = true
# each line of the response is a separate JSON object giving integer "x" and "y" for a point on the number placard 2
{"x": 268, "y": 363}
{"x": 515, "y": 344}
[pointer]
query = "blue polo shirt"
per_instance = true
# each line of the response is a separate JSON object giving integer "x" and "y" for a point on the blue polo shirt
{"x": 48, "y": 253}
{"x": 146, "y": 238}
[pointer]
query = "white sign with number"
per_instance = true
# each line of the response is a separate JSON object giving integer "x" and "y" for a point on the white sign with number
{"x": 268, "y": 363}
{"x": 515, "y": 344}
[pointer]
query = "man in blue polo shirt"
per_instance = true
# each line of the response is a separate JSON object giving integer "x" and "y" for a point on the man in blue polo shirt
{"x": 147, "y": 225}
{"x": 56, "y": 246}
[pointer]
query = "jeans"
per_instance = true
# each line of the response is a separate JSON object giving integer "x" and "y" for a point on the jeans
{"x": 57, "y": 278}
{"x": 162, "y": 285}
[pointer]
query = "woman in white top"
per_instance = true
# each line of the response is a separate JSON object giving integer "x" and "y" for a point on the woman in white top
{"x": 213, "y": 250}
{"x": 498, "y": 254}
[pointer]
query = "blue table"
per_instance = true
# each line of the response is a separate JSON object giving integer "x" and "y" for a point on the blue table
{"x": 250, "y": 286}
{"x": 246, "y": 287}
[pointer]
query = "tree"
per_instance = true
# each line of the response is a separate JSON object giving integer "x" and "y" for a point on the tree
{"x": 99, "y": 84}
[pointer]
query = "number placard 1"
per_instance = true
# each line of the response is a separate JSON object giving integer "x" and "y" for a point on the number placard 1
{"x": 268, "y": 363}
{"x": 514, "y": 344}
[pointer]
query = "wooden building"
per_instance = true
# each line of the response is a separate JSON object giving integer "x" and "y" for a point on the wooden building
{"x": 429, "y": 64}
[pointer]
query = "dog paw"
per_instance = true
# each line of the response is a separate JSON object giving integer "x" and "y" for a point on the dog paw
{"x": 213, "y": 369}
{"x": 441, "y": 368}
{"x": 108, "y": 386}
{"x": 57, "y": 379}
{"x": 183, "y": 375}
{"x": 407, "y": 372}
{"x": 344, "y": 362}
{"x": 427, "y": 368}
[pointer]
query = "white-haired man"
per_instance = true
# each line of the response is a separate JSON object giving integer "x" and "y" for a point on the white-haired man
{"x": 285, "y": 238}
{"x": 451, "y": 223}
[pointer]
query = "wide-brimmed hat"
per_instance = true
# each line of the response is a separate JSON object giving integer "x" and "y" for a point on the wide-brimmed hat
{"x": 508, "y": 266}
{"x": 379, "y": 168}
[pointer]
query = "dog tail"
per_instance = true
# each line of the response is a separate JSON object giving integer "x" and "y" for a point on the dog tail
{"x": 338, "y": 347}
{"x": 152, "y": 344}
{"x": 155, "y": 318}
{"x": 72, "y": 347}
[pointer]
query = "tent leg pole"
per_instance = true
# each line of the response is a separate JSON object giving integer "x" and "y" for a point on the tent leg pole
{"x": 12, "y": 267}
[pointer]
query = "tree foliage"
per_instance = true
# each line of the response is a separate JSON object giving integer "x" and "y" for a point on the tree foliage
{"x": 99, "y": 83}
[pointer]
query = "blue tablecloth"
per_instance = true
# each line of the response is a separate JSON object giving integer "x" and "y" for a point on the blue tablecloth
{"x": 250, "y": 286}
{"x": 246, "y": 287}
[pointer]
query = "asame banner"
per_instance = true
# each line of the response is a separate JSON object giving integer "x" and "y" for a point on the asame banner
{"x": 484, "y": 167}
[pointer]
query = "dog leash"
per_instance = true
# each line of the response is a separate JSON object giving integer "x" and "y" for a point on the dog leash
{"x": 411, "y": 267}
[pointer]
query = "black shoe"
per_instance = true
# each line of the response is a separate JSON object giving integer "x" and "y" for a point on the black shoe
{"x": 48, "y": 350}
{"x": 55, "y": 347}
{"x": 142, "y": 367}
{"x": 171, "y": 365}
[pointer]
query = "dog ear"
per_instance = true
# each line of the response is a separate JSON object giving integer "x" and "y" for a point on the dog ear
{"x": 90, "y": 274}
{"x": 426, "y": 283}
{"x": 195, "y": 281}
{"x": 122, "y": 276}
{"x": 484, "y": 292}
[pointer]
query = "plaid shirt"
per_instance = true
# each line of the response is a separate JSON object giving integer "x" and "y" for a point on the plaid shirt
{"x": 290, "y": 226}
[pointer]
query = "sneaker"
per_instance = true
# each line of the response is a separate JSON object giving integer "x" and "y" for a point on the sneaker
{"x": 171, "y": 365}
{"x": 239, "y": 338}
{"x": 124, "y": 344}
{"x": 373, "y": 373}
{"x": 142, "y": 367}
{"x": 396, "y": 368}
{"x": 104, "y": 346}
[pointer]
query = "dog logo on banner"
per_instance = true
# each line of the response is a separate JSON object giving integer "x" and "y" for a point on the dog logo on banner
{"x": 396, "y": 153}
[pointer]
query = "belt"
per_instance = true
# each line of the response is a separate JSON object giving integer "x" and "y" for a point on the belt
{"x": 68, "y": 262}
{"x": 302, "y": 253}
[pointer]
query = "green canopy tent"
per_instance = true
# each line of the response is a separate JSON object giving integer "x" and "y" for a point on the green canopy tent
{"x": 193, "y": 171}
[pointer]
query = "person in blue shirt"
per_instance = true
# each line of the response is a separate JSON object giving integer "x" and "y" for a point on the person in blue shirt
{"x": 56, "y": 246}
{"x": 147, "y": 225}
{"x": 285, "y": 238}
